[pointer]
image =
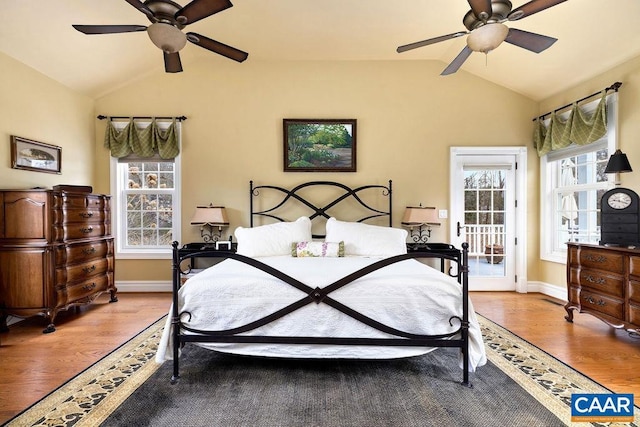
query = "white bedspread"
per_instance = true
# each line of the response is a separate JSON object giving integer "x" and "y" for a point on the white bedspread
{"x": 408, "y": 295}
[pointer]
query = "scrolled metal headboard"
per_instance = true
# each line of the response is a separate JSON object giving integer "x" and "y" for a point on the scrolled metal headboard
{"x": 314, "y": 209}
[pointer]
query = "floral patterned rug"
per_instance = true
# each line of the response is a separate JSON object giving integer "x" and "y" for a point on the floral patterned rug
{"x": 89, "y": 398}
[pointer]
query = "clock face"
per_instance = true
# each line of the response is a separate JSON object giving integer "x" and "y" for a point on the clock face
{"x": 619, "y": 200}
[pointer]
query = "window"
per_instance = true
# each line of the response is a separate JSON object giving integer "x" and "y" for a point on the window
{"x": 146, "y": 204}
{"x": 572, "y": 184}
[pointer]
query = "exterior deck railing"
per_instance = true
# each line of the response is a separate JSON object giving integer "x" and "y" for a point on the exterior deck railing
{"x": 479, "y": 236}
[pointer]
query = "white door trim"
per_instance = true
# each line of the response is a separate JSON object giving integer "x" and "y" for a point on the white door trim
{"x": 520, "y": 154}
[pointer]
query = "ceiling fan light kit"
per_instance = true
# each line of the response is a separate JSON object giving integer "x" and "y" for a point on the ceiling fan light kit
{"x": 168, "y": 19}
{"x": 487, "y": 37}
{"x": 487, "y": 31}
{"x": 167, "y": 37}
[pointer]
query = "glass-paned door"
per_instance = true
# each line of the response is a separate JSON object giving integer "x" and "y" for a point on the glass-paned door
{"x": 483, "y": 214}
{"x": 484, "y": 220}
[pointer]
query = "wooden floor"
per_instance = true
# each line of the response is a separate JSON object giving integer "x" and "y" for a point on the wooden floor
{"x": 607, "y": 355}
{"x": 33, "y": 364}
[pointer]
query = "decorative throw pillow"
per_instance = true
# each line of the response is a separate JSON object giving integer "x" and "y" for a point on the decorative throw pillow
{"x": 272, "y": 239}
{"x": 317, "y": 249}
{"x": 367, "y": 240}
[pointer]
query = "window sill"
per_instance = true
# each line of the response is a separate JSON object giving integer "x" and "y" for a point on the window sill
{"x": 559, "y": 258}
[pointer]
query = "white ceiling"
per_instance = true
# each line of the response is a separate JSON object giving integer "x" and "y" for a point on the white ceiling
{"x": 593, "y": 36}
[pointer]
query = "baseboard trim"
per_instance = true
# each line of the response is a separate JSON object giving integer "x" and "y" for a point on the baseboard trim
{"x": 548, "y": 289}
{"x": 143, "y": 286}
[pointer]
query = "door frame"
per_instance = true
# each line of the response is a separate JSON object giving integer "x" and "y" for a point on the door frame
{"x": 521, "y": 213}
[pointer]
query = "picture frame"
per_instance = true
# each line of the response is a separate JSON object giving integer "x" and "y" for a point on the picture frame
{"x": 319, "y": 145}
{"x": 35, "y": 156}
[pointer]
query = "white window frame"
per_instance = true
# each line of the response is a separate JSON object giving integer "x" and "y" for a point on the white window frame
{"x": 549, "y": 250}
{"x": 119, "y": 183}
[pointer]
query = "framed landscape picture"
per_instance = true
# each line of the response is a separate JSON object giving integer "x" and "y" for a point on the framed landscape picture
{"x": 319, "y": 145}
{"x": 35, "y": 156}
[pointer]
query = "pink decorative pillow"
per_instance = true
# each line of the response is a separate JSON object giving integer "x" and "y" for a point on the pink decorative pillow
{"x": 317, "y": 249}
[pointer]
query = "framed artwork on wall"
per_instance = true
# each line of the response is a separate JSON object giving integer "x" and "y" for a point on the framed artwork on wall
{"x": 35, "y": 156}
{"x": 319, "y": 145}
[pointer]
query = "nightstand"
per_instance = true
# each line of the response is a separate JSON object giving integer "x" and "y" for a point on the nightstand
{"x": 201, "y": 250}
{"x": 439, "y": 248}
{"x": 189, "y": 248}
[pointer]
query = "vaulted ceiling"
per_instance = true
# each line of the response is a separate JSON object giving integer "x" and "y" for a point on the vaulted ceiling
{"x": 593, "y": 36}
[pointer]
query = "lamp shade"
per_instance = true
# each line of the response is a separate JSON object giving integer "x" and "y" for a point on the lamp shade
{"x": 210, "y": 215}
{"x": 419, "y": 215}
{"x": 618, "y": 162}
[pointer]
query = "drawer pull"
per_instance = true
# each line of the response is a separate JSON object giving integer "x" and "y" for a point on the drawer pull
{"x": 597, "y": 280}
{"x": 88, "y": 270}
{"x": 86, "y": 214}
{"x": 600, "y": 302}
{"x": 595, "y": 258}
{"x": 89, "y": 286}
{"x": 87, "y": 230}
{"x": 89, "y": 251}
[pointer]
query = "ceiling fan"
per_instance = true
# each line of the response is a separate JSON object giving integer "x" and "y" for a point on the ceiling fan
{"x": 167, "y": 21}
{"x": 485, "y": 22}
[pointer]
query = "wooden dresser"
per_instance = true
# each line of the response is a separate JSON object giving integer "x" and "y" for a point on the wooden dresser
{"x": 56, "y": 251}
{"x": 605, "y": 282}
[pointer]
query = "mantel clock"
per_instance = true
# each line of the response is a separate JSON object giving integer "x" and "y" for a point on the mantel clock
{"x": 620, "y": 218}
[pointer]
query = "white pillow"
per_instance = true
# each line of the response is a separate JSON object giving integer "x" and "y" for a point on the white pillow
{"x": 367, "y": 240}
{"x": 272, "y": 239}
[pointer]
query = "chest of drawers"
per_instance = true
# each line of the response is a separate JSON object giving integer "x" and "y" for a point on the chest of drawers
{"x": 56, "y": 251}
{"x": 605, "y": 282}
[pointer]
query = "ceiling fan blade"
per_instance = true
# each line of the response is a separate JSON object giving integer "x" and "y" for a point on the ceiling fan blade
{"x": 457, "y": 62}
{"x": 109, "y": 29}
{"x": 427, "y": 42}
{"x": 534, "y": 6}
{"x": 172, "y": 63}
{"x": 199, "y": 9}
{"x": 141, "y": 7}
{"x": 481, "y": 8}
{"x": 530, "y": 41}
{"x": 217, "y": 47}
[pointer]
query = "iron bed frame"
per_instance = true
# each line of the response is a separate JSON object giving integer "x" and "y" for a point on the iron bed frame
{"x": 458, "y": 268}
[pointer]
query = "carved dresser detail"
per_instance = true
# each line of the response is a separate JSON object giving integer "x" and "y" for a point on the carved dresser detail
{"x": 604, "y": 281}
{"x": 56, "y": 251}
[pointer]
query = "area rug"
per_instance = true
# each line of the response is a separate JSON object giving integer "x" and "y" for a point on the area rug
{"x": 520, "y": 386}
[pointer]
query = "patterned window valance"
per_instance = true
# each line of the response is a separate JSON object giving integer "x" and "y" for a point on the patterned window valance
{"x": 580, "y": 128}
{"x": 143, "y": 142}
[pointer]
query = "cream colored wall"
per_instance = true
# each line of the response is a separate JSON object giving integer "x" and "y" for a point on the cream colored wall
{"x": 408, "y": 117}
{"x": 629, "y": 133}
{"x": 35, "y": 107}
